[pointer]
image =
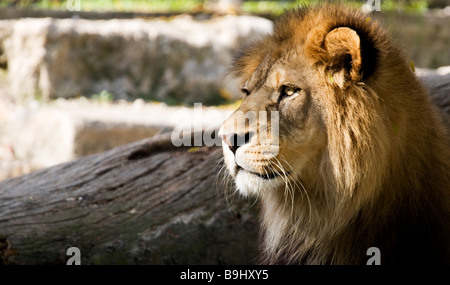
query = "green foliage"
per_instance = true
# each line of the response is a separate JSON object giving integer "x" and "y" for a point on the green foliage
{"x": 103, "y": 97}
{"x": 410, "y": 7}
{"x": 109, "y": 5}
{"x": 248, "y": 6}
{"x": 277, "y": 7}
{"x": 142, "y": 5}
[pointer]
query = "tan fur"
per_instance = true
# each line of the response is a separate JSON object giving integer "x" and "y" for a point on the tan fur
{"x": 367, "y": 157}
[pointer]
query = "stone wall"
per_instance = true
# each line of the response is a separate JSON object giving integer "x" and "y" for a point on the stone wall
{"x": 177, "y": 60}
{"x": 424, "y": 38}
{"x": 39, "y": 135}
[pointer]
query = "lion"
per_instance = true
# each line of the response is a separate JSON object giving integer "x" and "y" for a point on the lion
{"x": 360, "y": 158}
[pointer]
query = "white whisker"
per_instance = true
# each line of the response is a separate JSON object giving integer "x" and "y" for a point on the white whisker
{"x": 299, "y": 185}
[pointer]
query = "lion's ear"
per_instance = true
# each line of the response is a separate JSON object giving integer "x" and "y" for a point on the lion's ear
{"x": 343, "y": 56}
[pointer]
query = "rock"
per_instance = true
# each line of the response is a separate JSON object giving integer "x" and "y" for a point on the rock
{"x": 180, "y": 60}
{"x": 224, "y": 6}
{"x": 438, "y": 82}
{"x": 439, "y": 3}
{"x": 424, "y": 38}
{"x": 63, "y": 130}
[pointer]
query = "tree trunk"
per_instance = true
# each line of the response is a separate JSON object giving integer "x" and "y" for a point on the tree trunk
{"x": 142, "y": 203}
{"x": 439, "y": 89}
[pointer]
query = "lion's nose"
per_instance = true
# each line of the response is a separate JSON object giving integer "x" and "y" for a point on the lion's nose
{"x": 234, "y": 141}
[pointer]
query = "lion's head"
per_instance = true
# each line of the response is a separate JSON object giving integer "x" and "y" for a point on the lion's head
{"x": 312, "y": 75}
{"x": 336, "y": 113}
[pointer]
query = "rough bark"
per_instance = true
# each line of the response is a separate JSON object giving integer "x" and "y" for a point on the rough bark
{"x": 439, "y": 89}
{"x": 143, "y": 203}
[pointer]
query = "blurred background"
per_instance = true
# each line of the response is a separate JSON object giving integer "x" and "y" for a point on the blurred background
{"x": 79, "y": 77}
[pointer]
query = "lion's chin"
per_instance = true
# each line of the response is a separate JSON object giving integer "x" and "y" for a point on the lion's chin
{"x": 251, "y": 184}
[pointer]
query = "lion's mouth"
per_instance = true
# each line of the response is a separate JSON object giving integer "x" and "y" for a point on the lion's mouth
{"x": 266, "y": 176}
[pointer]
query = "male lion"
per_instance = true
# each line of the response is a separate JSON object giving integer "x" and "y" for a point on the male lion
{"x": 362, "y": 159}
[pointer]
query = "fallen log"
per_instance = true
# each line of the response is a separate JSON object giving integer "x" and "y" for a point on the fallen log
{"x": 143, "y": 203}
{"x": 439, "y": 88}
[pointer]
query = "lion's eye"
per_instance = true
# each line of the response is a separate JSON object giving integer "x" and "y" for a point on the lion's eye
{"x": 287, "y": 91}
